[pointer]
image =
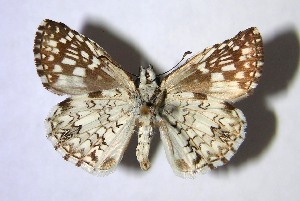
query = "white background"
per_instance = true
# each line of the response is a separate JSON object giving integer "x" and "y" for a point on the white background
{"x": 266, "y": 166}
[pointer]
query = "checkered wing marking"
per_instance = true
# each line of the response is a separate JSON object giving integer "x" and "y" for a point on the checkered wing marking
{"x": 228, "y": 71}
{"x": 199, "y": 133}
{"x": 70, "y": 63}
{"x": 93, "y": 130}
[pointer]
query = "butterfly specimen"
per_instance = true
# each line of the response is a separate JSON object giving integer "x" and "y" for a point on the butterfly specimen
{"x": 191, "y": 106}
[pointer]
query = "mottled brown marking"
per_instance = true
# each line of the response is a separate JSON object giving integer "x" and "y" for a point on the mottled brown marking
{"x": 144, "y": 110}
{"x": 42, "y": 26}
{"x": 145, "y": 164}
{"x": 38, "y": 62}
{"x": 233, "y": 150}
{"x": 93, "y": 156}
{"x": 197, "y": 159}
{"x": 56, "y": 146}
{"x": 36, "y": 50}
{"x": 38, "y": 38}
{"x": 41, "y": 72}
{"x": 96, "y": 94}
{"x": 182, "y": 165}
{"x": 66, "y": 136}
{"x": 79, "y": 163}
{"x": 228, "y": 106}
{"x": 108, "y": 164}
{"x": 69, "y": 133}
{"x": 200, "y": 96}
{"x": 211, "y": 166}
{"x": 65, "y": 104}
{"x": 224, "y": 160}
{"x": 47, "y": 86}
{"x": 66, "y": 157}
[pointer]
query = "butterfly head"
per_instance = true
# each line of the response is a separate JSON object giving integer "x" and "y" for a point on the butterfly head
{"x": 147, "y": 75}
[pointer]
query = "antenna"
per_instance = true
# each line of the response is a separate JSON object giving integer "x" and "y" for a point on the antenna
{"x": 134, "y": 75}
{"x": 105, "y": 57}
{"x": 184, "y": 55}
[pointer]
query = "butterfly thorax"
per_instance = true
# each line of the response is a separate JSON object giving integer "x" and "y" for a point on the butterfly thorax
{"x": 147, "y": 84}
{"x": 148, "y": 89}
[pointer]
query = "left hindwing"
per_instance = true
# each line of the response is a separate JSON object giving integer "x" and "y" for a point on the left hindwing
{"x": 93, "y": 130}
{"x": 199, "y": 132}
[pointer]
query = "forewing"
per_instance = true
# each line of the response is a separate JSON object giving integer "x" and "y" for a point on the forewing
{"x": 228, "y": 71}
{"x": 93, "y": 130}
{"x": 70, "y": 63}
{"x": 199, "y": 133}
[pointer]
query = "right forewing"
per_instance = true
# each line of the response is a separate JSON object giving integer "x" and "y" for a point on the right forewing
{"x": 228, "y": 71}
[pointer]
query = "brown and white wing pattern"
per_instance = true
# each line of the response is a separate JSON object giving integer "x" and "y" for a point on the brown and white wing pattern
{"x": 199, "y": 128}
{"x": 199, "y": 132}
{"x": 228, "y": 71}
{"x": 70, "y": 63}
{"x": 93, "y": 130}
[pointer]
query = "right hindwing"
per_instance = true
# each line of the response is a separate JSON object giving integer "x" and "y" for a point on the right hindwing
{"x": 199, "y": 132}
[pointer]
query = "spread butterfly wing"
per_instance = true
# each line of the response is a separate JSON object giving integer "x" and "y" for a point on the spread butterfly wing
{"x": 93, "y": 130}
{"x": 199, "y": 133}
{"x": 70, "y": 63}
{"x": 199, "y": 128}
{"x": 228, "y": 71}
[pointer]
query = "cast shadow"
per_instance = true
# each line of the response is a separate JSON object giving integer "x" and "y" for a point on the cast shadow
{"x": 130, "y": 58}
{"x": 281, "y": 63}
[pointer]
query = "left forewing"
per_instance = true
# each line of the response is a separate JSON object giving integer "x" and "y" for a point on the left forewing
{"x": 199, "y": 132}
{"x": 93, "y": 130}
{"x": 70, "y": 63}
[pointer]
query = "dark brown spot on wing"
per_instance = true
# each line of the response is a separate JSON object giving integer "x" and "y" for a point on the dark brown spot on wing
{"x": 108, "y": 164}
